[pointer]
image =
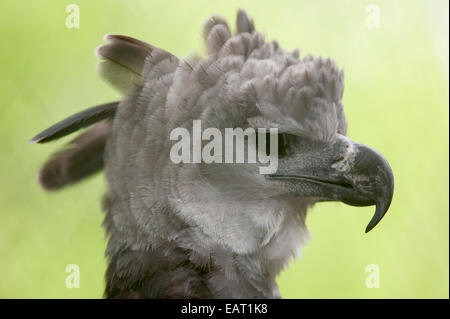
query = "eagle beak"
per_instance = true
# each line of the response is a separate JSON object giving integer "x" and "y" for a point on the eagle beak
{"x": 372, "y": 175}
{"x": 360, "y": 176}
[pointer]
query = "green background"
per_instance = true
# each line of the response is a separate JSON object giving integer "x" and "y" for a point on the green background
{"x": 396, "y": 99}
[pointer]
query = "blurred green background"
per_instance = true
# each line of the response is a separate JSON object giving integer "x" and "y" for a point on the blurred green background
{"x": 396, "y": 99}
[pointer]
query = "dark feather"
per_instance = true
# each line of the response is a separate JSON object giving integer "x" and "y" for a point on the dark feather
{"x": 81, "y": 158}
{"x": 243, "y": 23}
{"x": 122, "y": 61}
{"x": 126, "y": 51}
{"x": 75, "y": 122}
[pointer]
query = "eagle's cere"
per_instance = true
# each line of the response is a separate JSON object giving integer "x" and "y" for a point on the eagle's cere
{"x": 214, "y": 230}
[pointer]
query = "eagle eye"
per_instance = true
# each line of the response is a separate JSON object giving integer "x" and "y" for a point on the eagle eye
{"x": 283, "y": 144}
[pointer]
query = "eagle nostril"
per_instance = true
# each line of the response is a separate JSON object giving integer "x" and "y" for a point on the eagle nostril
{"x": 339, "y": 159}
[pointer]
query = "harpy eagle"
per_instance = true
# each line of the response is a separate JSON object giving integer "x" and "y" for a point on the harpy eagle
{"x": 213, "y": 230}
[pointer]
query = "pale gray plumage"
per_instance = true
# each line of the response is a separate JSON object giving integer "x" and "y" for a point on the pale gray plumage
{"x": 220, "y": 230}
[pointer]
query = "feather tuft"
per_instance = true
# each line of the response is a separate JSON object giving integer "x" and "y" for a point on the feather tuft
{"x": 79, "y": 159}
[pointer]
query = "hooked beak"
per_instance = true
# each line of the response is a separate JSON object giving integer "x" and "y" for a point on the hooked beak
{"x": 360, "y": 176}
